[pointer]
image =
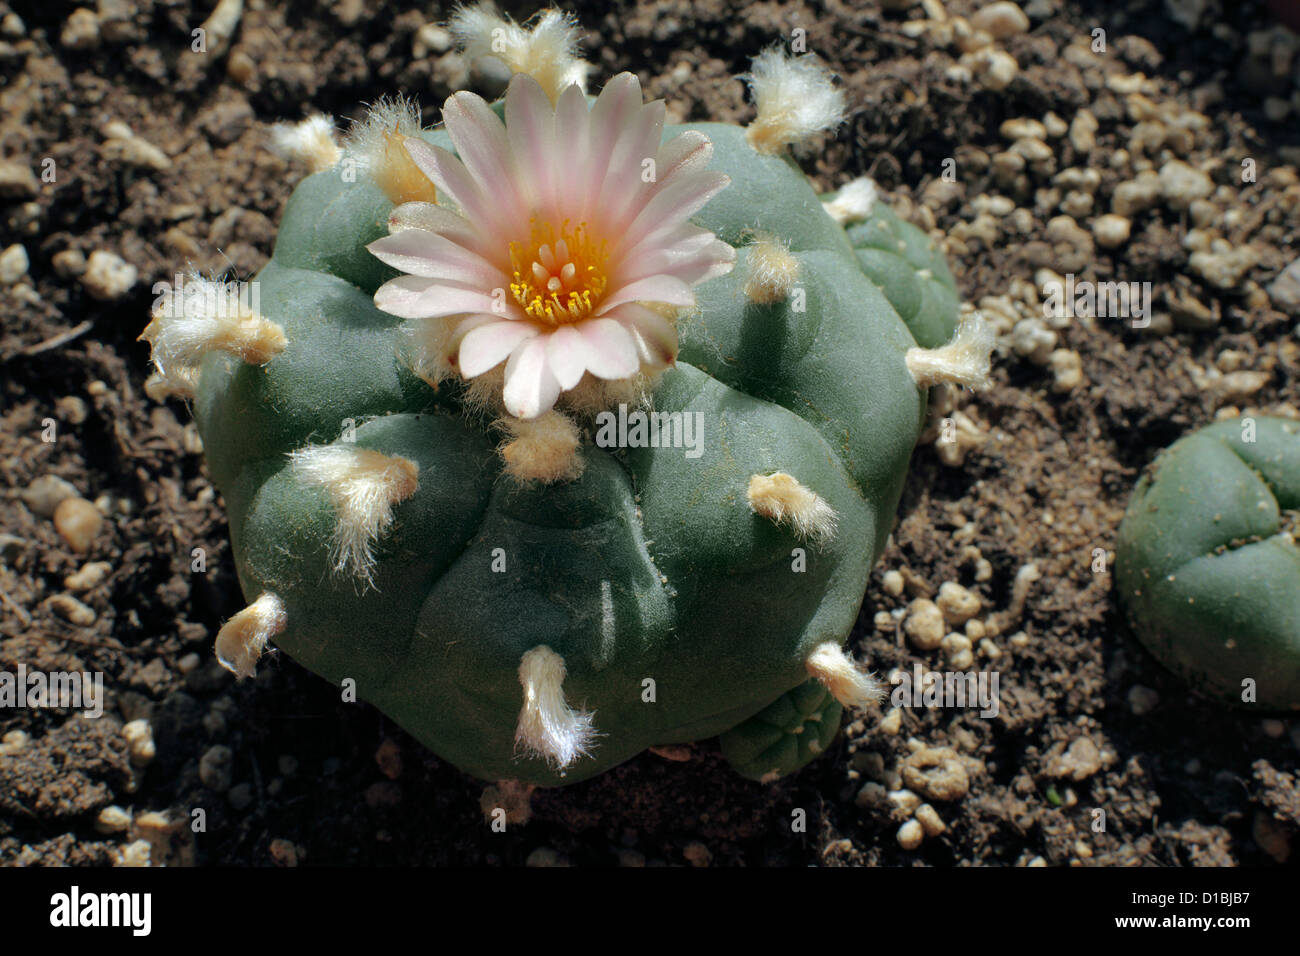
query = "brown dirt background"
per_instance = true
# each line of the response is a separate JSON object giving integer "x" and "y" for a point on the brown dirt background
{"x": 1184, "y": 782}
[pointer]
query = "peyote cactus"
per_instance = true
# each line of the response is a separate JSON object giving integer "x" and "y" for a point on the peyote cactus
{"x": 565, "y": 433}
{"x": 1207, "y": 565}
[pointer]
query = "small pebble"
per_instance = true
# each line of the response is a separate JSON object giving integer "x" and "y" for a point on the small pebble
{"x": 90, "y": 575}
{"x": 930, "y": 820}
{"x": 957, "y": 603}
{"x": 13, "y": 264}
{"x": 240, "y": 796}
{"x": 1111, "y": 231}
{"x": 108, "y": 276}
{"x": 46, "y": 493}
{"x": 284, "y": 853}
{"x": 215, "y": 767}
{"x": 910, "y": 835}
{"x": 389, "y": 758}
{"x": 924, "y": 624}
{"x": 71, "y": 610}
{"x": 78, "y": 522}
{"x": 139, "y": 739}
{"x": 1000, "y": 20}
{"x": 697, "y": 854}
{"x": 113, "y": 819}
{"x": 893, "y": 583}
{"x": 544, "y": 856}
{"x": 135, "y": 854}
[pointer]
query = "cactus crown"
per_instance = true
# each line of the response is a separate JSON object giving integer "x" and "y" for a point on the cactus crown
{"x": 564, "y": 432}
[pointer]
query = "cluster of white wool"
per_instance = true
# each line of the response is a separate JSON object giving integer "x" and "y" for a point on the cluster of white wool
{"x": 543, "y": 449}
{"x": 966, "y": 360}
{"x": 547, "y": 51}
{"x": 311, "y": 142}
{"x": 548, "y": 727}
{"x": 838, "y": 673}
{"x": 796, "y": 99}
{"x": 201, "y": 316}
{"x": 243, "y": 638}
{"x": 773, "y": 271}
{"x": 781, "y": 498}
{"x": 363, "y": 485}
{"x": 853, "y": 202}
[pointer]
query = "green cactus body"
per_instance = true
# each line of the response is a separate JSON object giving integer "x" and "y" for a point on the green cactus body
{"x": 678, "y": 611}
{"x": 1206, "y": 566}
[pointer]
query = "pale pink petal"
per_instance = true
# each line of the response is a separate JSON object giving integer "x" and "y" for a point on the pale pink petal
{"x": 666, "y": 289}
{"x": 654, "y": 336}
{"x": 451, "y": 178}
{"x": 431, "y": 256}
{"x": 674, "y": 203}
{"x": 445, "y": 222}
{"x": 482, "y": 145}
{"x": 531, "y": 388}
{"x": 611, "y": 353}
{"x": 686, "y": 151}
{"x": 411, "y": 297}
{"x": 690, "y": 253}
{"x": 624, "y": 192}
{"x": 488, "y": 345}
{"x": 566, "y": 350}
{"x": 530, "y": 127}
{"x": 616, "y": 121}
{"x": 571, "y": 124}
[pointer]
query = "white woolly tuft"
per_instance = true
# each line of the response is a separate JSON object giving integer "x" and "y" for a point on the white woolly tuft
{"x": 367, "y": 139}
{"x": 363, "y": 485}
{"x": 795, "y": 97}
{"x": 966, "y": 360}
{"x": 773, "y": 272}
{"x": 243, "y": 638}
{"x": 781, "y": 498}
{"x": 375, "y": 147}
{"x": 543, "y": 449}
{"x": 848, "y": 684}
{"x": 311, "y": 142}
{"x": 547, "y": 51}
{"x": 548, "y": 727}
{"x": 200, "y": 316}
{"x": 854, "y": 201}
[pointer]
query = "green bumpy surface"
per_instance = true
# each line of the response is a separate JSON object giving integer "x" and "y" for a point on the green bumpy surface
{"x": 650, "y": 567}
{"x": 1207, "y": 566}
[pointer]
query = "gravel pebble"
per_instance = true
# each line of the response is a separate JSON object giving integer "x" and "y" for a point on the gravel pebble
{"x": 108, "y": 276}
{"x": 78, "y": 522}
{"x": 44, "y": 494}
{"x": 13, "y": 264}
{"x": 215, "y": 767}
{"x": 924, "y": 625}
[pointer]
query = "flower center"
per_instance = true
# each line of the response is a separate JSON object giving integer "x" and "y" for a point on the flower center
{"x": 559, "y": 274}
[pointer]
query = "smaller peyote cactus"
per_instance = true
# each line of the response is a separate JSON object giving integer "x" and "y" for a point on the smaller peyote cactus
{"x": 566, "y": 433}
{"x": 1207, "y": 565}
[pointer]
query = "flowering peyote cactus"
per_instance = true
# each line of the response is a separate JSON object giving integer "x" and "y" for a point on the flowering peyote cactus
{"x": 565, "y": 433}
{"x": 1207, "y": 564}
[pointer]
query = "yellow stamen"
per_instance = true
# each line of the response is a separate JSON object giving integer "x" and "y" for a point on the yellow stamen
{"x": 559, "y": 275}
